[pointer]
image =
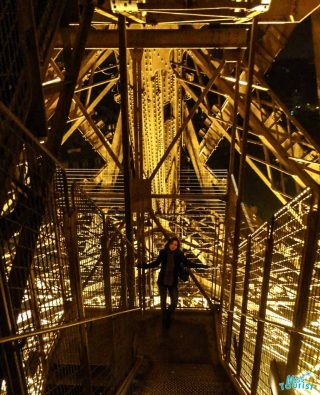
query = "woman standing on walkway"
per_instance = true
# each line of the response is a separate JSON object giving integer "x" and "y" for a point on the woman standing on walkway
{"x": 172, "y": 262}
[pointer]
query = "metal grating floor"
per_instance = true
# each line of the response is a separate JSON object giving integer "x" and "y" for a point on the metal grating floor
{"x": 184, "y": 379}
{"x": 181, "y": 360}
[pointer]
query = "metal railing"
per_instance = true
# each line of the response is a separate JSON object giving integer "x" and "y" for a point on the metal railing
{"x": 277, "y": 299}
{"x": 194, "y": 213}
{"x": 62, "y": 269}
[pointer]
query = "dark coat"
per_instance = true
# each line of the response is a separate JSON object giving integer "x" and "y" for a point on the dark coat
{"x": 180, "y": 262}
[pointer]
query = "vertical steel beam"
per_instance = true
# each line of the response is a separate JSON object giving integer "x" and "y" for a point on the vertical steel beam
{"x": 140, "y": 117}
{"x": 244, "y": 307}
{"x": 126, "y": 155}
{"x": 77, "y": 297}
{"x": 246, "y": 121}
{"x": 124, "y": 277}
{"x": 136, "y": 55}
{"x": 139, "y": 148}
{"x": 308, "y": 261}
{"x": 230, "y": 173}
{"x": 241, "y": 180}
{"x": 262, "y": 309}
{"x": 105, "y": 256}
{"x": 141, "y": 257}
{"x": 234, "y": 119}
{"x": 215, "y": 261}
{"x": 106, "y": 244}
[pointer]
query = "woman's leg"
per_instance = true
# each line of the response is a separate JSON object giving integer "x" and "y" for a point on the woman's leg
{"x": 163, "y": 302}
{"x": 163, "y": 297}
{"x": 173, "y": 292}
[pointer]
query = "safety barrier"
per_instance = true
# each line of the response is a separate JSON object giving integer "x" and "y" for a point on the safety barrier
{"x": 60, "y": 261}
{"x": 195, "y": 215}
{"x": 277, "y": 299}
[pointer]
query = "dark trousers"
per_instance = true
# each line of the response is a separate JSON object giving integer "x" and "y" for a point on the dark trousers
{"x": 173, "y": 293}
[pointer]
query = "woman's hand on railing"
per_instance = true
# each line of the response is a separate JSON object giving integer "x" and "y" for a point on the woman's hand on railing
{"x": 140, "y": 266}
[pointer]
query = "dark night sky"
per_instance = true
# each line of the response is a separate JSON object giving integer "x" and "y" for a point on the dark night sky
{"x": 300, "y": 44}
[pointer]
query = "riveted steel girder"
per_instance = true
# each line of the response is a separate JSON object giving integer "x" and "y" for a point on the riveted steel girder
{"x": 165, "y": 38}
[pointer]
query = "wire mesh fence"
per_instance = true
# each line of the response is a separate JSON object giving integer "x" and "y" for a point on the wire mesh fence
{"x": 90, "y": 231}
{"x": 310, "y": 360}
{"x": 289, "y": 236}
{"x": 55, "y": 273}
{"x": 238, "y": 300}
{"x": 275, "y": 346}
{"x": 248, "y": 352}
{"x": 289, "y": 241}
{"x": 194, "y": 214}
{"x": 230, "y": 255}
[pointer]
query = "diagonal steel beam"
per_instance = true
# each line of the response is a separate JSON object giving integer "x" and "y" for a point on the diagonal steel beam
{"x": 222, "y": 132}
{"x": 111, "y": 167}
{"x": 122, "y": 31}
{"x": 98, "y": 133}
{"x": 87, "y": 116}
{"x": 74, "y": 58}
{"x": 301, "y": 176}
{"x": 199, "y": 166}
{"x": 90, "y": 108}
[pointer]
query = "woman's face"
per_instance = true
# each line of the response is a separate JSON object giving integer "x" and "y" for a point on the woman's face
{"x": 173, "y": 245}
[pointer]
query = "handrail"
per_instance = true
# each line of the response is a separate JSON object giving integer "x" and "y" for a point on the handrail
{"x": 287, "y": 328}
{"x": 7, "y": 339}
{"x": 202, "y": 291}
{"x": 282, "y": 326}
{"x": 125, "y": 386}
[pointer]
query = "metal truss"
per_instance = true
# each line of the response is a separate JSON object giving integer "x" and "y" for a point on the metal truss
{"x": 279, "y": 147}
{"x": 63, "y": 245}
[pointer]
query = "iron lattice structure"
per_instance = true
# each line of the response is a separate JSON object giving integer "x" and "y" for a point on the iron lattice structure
{"x": 153, "y": 89}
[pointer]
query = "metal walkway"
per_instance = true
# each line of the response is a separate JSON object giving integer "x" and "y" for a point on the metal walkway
{"x": 182, "y": 359}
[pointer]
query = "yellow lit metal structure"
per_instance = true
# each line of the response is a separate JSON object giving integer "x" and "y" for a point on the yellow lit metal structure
{"x": 67, "y": 263}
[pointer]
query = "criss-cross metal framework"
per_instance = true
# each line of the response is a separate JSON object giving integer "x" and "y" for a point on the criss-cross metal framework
{"x": 154, "y": 89}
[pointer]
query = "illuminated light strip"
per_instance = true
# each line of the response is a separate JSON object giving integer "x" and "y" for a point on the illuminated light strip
{"x": 244, "y": 83}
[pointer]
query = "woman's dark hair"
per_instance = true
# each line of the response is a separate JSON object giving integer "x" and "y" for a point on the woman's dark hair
{"x": 171, "y": 240}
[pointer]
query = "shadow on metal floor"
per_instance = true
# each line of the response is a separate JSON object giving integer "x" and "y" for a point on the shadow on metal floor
{"x": 180, "y": 360}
